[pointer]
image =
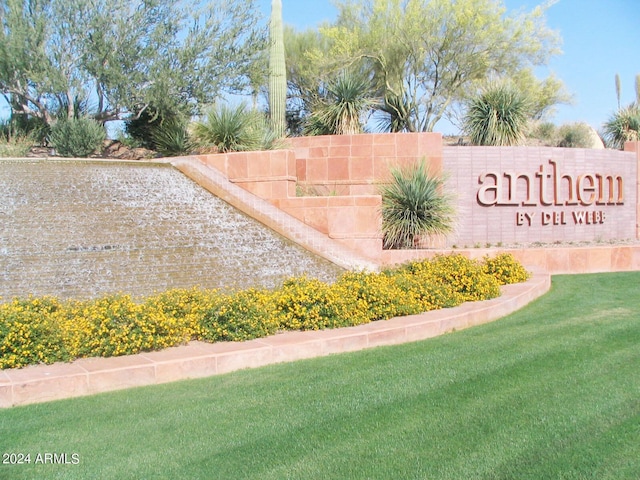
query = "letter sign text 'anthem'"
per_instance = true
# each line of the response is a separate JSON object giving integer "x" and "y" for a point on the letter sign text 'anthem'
{"x": 544, "y": 188}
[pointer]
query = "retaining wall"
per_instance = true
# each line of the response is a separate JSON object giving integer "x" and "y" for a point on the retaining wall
{"x": 505, "y": 197}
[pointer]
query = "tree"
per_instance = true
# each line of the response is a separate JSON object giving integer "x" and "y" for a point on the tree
{"x": 277, "y": 71}
{"x": 123, "y": 55}
{"x": 306, "y": 75}
{"x": 428, "y": 55}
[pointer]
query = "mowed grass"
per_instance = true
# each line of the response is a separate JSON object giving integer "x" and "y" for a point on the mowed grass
{"x": 550, "y": 392}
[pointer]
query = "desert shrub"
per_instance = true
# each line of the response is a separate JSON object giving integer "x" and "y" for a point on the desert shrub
{"x": 141, "y": 127}
{"x": 242, "y": 315}
{"x": 15, "y": 146}
{"x": 414, "y": 205}
{"x": 309, "y": 304}
{"x": 574, "y": 135}
{"x": 77, "y": 137}
{"x": 25, "y": 127}
{"x": 46, "y": 330}
{"x": 506, "y": 269}
{"x": 127, "y": 140}
{"x": 499, "y": 116}
{"x": 546, "y": 132}
{"x": 233, "y": 129}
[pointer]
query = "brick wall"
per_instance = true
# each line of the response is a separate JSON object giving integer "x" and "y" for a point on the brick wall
{"x": 355, "y": 164}
{"x": 504, "y": 196}
{"x": 569, "y": 179}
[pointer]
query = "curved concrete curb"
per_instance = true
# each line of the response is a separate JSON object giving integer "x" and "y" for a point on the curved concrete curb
{"x": 88, "y": 376}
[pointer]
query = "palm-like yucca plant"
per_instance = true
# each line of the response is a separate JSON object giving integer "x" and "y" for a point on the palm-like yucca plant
{"x": 397, "y": 110}
{"x": 232, "y": 129}
{"x": 623, "y": 126}
{"x": 499, "y": 116}
{"x": 349, "y": 97}
{"x": 414, "y": 205}
{"x": 172, "y": 139}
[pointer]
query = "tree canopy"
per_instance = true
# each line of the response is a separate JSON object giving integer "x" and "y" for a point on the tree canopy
{"x": 426, "y": 57}
{"x": 116, "y": 58}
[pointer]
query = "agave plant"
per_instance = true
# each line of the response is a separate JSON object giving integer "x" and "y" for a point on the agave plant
{"x": 232, "y": 129}
{"x": 414, "y": 205}
{"x": 623, "y": 126}
{"x": 499, "y": 116}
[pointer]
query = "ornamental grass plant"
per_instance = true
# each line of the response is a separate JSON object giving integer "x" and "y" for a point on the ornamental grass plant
{"x": 233, "y": 129}
{"x": 15, "y": 147}
{"x": 172, "y": 139}
{"x": 349, "y": 99}
{"x": 497, "y": 117}
{"x": 46, "y": 330}
{"x": 414, "y": 205}
{"x": 623, "y": 126}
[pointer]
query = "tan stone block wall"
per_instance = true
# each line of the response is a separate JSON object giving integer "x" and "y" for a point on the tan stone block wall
{"x": 480, "y": 225}
{"x": 635, "y": 148}
{"x": 346, "y": 171}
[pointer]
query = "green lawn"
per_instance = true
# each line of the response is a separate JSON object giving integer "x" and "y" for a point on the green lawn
{"x": 550, "y": 392}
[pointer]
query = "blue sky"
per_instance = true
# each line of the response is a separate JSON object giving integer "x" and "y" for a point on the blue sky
{"x": 600, "y": 38}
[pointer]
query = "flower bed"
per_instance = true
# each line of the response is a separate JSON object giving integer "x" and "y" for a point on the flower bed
{"x": 46, "y": 330}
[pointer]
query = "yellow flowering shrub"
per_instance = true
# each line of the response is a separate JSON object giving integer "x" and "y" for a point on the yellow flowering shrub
{"x": 379, "y": 296}
{"x": 242, "y": 315}
{"x": 28, "y": 333}
{"x": 116, "y": 325}
{"x": 429, "y": 293}
{"x": 466, "y": 277}
{"x": 47, "y": 330}
{"x": 186, "y": 306}
{"x": 506, "y": 269}
{"x": 309, "y": 304}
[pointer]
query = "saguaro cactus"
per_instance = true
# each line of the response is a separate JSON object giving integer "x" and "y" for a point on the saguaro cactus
{"x": 277, "y": 72}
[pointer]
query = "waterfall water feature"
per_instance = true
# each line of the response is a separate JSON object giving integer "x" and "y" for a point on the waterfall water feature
{"x": 86, "y": 229}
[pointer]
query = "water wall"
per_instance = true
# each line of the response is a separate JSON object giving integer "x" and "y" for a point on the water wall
{"x": 85, "y": 229}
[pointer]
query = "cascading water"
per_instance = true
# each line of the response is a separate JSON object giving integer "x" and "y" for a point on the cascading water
{"x": 86, "y": 229}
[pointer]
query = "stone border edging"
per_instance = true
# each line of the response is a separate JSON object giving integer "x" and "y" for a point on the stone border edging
{"x": 87, "y": 376}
